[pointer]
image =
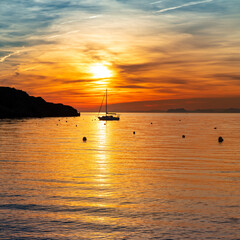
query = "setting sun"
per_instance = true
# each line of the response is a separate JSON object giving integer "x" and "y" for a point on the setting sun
{"x": 100, "y": 70}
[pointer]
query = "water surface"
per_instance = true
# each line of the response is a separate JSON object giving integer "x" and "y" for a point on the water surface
{"x": 117, "y": 185}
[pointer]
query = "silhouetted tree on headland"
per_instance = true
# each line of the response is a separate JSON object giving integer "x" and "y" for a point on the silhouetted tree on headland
{"x": 18, "y": 104}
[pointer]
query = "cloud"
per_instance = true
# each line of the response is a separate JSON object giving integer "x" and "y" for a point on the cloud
{"x": 151, "y": 55}
{"x": 4, "y": 53}
{"x": 25, "y": 43}
{"x": 155, "y": 2}
{"x": 129, "y": 86}
{"x": 227, "y": 76}
{"x": 183, "y": 5}
{"x": 9, "y": 55}
{"x": 134, "y": 68}
{"x": 187, "y": 103}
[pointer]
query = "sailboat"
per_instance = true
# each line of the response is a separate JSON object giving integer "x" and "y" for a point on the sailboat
{"x": 108, "y": 116}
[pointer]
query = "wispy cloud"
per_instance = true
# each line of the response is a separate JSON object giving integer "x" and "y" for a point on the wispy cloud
{"x": 9, "y": 55}
{"x": 183, "y": 5}
{"x": 150, "y": 54}
{"x": 156, "y": 2}
{"x": 80, "y": 19}
{"x": 67, "y": 33}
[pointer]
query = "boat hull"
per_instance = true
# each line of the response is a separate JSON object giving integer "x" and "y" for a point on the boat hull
{"x": 108, "y": 118}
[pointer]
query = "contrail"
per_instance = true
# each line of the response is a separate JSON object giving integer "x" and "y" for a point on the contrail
{"x": 30, "y": 68}
{"x": 67, "y": 22}
{"x": 9, "y": 55}
{"x": 96, "y": 16}
{"x": 78, "y": 20}
{"x": 184, "y": 5}
{"x": 59, "y": 35}
{"x": 156, "y": 2}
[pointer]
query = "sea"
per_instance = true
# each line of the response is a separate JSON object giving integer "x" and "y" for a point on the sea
{"x": 154, "y": 184}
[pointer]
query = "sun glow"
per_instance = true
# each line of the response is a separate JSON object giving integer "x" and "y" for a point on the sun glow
{"x": 100, "y": 70}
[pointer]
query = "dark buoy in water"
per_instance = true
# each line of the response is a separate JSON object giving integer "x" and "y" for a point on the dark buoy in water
{"x": 220, "y": 139}
{"x": 76, "y": 125}
{"x": 183, "y": 136}
{"x": 151, "y": 122}
{"x": 215, "y": 128}
{"x": 84, "y": 139}
{"x": 133, "y": 132}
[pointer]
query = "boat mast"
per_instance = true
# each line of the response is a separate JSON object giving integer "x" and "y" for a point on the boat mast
{"x": 106, "y": 101}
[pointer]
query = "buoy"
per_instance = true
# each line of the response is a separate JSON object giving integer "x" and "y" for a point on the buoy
{"x": 76, "y": 125}
{"x": 215, "y": 128}
{"x": 66, "y": 121}
{"x": 151, "y": 122}
{"x": 84, "y": 139}
{"x": 133, "y": 132}
{"x": 220, "y": 139}
{"x": 183, "y": 136}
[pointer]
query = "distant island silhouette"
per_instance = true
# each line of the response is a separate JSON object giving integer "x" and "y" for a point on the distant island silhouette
{"x": 182, "y": 110}
{"x": 177, "y": 110}
{"x": 18, "y": 104}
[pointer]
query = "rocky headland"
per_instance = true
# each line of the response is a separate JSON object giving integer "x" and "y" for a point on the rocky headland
{"x": 18, "y": 104}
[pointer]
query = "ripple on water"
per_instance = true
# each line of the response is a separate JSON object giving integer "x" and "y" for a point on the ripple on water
{"x": 151, "y": 185}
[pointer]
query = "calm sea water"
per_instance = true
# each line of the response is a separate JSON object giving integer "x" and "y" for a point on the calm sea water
{"x": 117, "y": 185}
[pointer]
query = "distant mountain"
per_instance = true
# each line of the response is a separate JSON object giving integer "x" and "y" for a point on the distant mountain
{"x": 18, "y": 104}
{"x": 227, "y": 110}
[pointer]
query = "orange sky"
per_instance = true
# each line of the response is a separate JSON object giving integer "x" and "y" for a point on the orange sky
{"x": 70, "y": 52}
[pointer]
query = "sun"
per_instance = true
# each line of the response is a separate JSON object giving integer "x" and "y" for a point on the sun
{"x": 100, "y": 70}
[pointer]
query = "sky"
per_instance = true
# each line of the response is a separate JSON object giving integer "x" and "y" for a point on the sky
{"x": 70, "y": 51}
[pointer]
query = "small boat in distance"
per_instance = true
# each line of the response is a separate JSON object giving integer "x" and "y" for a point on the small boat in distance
{"x": 108, "y": 116}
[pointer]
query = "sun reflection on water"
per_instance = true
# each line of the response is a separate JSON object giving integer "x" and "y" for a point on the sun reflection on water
{"x": 102, "y": 160}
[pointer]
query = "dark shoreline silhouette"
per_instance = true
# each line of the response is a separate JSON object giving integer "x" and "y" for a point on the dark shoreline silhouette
{"x": 18, "y": 104}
